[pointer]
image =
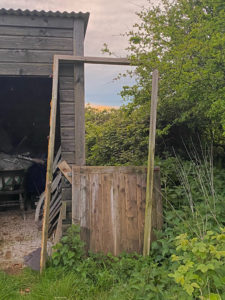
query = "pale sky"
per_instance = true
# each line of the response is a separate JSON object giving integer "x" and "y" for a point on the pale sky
{"x": 108, "y": 20}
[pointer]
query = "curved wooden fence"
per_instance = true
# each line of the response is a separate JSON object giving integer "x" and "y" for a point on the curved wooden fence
{"x": 109, "y": 205}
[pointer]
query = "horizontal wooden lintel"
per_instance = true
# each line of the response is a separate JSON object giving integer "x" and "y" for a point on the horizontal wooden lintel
{"x": 93, "y": 60}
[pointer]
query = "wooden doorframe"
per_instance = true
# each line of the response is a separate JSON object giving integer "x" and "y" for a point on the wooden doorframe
{"x": 78, "y": 61}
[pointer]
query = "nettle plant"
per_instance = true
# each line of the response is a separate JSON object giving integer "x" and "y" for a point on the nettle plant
{"x": 200, "y": 265}
{"x": 70, "y": 251}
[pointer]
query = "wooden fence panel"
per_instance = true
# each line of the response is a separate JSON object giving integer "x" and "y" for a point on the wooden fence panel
{"x": 109, "y": 205}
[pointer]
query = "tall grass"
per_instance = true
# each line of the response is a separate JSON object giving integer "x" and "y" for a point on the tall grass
{"x": 199, "y": 188}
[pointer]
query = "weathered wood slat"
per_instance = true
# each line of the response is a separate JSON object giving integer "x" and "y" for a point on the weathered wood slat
{"x": 76, "y": 196}
{"x": 67, "y": 194}
{"x": 115, "y": 212}
{"x": 122, "y": 213}
{"x": 55, "y": 185}
{"x": 55, "y": 182}
{"x": 50, "y": 160}
{"x": 57, "y": 159}
{"x": 108, "y": 222}
{"x": 78, "y": 58}
{"x": 83, "y": 202}
{"x": 66, "y": 83}
{"x": 36, "y": 21}
{"x": 110, "y": 169}
{"x": 66, "y": 95}
{"x": 67, "y": 145}
{"x": 150, "y": 172}
{"x": 79, "y": 107}
{"x": 66, "y": 170}
{"x": 140, "y": 208}
{"x": 56, "y": 209}
{"x": 28, "y": 56}
{"x": 43, "y": 43}
{"x": 110, "y": 207}
{"x": 69, "y": 156}
{"x": 55, "y": 203}
{"x": 66, "y": 108}
{"x": 67, "y": 121}
{"x": 158, "y": 198}
{"x": 131, "y": 212}
{"x": 96, "y": 212}
{"x": 66, "y": 70}
{"x": 38, "y": 207}
{"x": 85, "y": 208}
{"x": 67, "y": 133}
{"x": 32, "y": 69}
{"x": 36, "y": 31}
{"x": 79, "y": 102}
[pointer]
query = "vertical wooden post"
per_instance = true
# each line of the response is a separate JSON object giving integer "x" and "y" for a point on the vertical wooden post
{"x": 150, "y": 172}
{"x": 49, "y": 173}
{"x": 79, "y": 102}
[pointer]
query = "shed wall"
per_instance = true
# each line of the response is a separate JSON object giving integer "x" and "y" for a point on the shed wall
{"x": 28, "y": 43}
{"x": 71, "y": 89}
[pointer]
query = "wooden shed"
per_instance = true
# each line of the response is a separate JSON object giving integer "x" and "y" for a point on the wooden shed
{"x": 108, "y": 202}
{"x": 29, "y": 39}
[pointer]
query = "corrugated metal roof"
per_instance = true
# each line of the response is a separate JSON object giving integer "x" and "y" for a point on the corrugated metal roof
{"x": 42, "y": 13}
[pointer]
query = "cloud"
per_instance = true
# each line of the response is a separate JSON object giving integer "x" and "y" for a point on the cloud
{"x": 108, "y": 19}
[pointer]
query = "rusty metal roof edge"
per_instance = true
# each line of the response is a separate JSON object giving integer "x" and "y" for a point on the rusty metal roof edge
{"x": 42, "y": 13}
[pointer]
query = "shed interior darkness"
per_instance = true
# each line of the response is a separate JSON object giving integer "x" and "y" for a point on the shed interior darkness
{"x": 24, "y": 124}
{"x": 24, "y": 114}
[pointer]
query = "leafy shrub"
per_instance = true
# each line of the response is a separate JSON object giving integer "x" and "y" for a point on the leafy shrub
{"x": 69, "y": 252}
{"x": 200, "y": 265}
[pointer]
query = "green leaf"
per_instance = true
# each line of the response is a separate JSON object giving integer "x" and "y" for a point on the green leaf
{"x": 202, "y": 268}
{"x": 214, "y": 296}
{"x": 189, "y": 289}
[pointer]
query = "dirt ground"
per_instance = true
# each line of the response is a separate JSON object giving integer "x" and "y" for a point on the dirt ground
{"x": 18, "y": 238}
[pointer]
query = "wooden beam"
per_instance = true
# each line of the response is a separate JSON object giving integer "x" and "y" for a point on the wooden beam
{"x": 49, "y": 174}
{"x": 79, "y": 102}
{"x": 35, "y": 43}
{"x": 28, "y": 69}
{"x": 66, "y": 170}
{"x": 29, "y": 56}
{"x": 93, "y": 60}
{"x": 150, "y": 172}
{"x": 36, "y": 21}
{"x": 35, "y": 31}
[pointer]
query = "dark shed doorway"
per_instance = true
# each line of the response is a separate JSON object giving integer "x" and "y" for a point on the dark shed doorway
{"x": 24, "y": 114}
{"x": 24, "y": 130}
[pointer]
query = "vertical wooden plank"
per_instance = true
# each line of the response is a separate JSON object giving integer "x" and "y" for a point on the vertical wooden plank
{"x": 143, "y": 198}
{"x": 157, "y": 218}
{"x": 88, "y": 208}
{"x": 122, "y": 243}
{"x": 99, "y": 246}
{"x": 49, "y": 174}
{"x": 84, "y": 208}
{"x": 131, "y": 212}
{"x": 150, "y": 172}
{"x": 76, "y": 195}
{"x": 154, "y": 210}
{"x": 158, "y": 199}
{"x": 115, "y": 212}
{"x": 140, "y": 211}
{"x": 107, "y": 234}
{"x": 79, "y": 103}
{"x": 93, "y": 199}
{"x": 96, "y": 213}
